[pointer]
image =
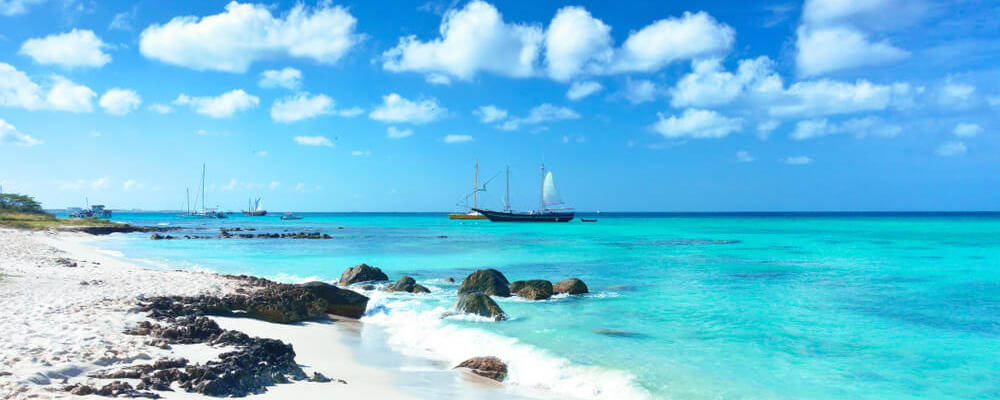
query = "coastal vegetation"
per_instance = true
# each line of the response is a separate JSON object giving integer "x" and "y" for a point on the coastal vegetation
{"x": 24, "y": 212}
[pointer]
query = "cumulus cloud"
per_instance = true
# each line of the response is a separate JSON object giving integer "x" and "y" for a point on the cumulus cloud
{"x": 350, "y": 112}
{"x": 222, "y": 106}
{"x": 859, "y": 127}
{"x": 640, "y": 91}
{"x": 489, "y": 114}
{"x": 951, "y": 149}
{"x": 828, "y": 97}
{"x": 10, "y": 135}
{"x": 540, "y": 114}
{"x": 288, "y": 78}
{"x": 397, "y": 109}
{"x": 77, "y": 48}
{"x": 395, "y": 133}
{"x": 10, "y": 8}
{"x": 697, "y": 124}
{"x": 743, "y": 156}
{"x": 956, "y": 94}
{"x": 301, "y": 106}
{"x": 967, "y": 130}
{"x": 709, "y": 84}
{"x": 797, "y": 160}
{"x": 245, "y": 33}
{"x": 579, "y": 90}
{"x": 313, "y": 141}
{"x": 476, "y": 39}
{"x": 120, "y": 101}
{"x": 823, "y": 50}
{"x": 765, "y": 128}
{"x": 450, "y": 139}
{"x": 60, "y": 94}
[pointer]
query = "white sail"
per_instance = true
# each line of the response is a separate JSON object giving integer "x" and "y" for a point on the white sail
{"x": 550, "y": 195}
{"x": 257, "y": 204}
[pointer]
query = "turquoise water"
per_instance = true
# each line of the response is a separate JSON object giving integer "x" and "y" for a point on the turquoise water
{"x": 683, "y": 306}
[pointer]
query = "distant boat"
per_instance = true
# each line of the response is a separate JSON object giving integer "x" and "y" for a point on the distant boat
{"x": 254, "y": 209}
{"x": 289, "y": 217}
{"x": 547, "y": 208}
{"x": 587, "y": 220}
{"x": 95, "y": 211}
{"x": 471, "y": 214}
{"x": 205, "y": 212}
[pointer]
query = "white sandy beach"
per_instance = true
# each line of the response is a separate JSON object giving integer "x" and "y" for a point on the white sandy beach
{"x": 61, "y": 322}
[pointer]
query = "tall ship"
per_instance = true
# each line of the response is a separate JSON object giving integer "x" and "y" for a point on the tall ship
{"x": 550, "y": 205}
{"x": 471, "y": 213}
{"x": 205, "y": 211}
{"x": 254, "y": 209}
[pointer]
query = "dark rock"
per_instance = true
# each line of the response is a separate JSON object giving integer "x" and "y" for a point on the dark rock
{"x": 571, "y": 286}
{"x": 362, "y": 273}
{"x": 537, "y": 289}
{"x": 368, "y": 287}
{"x": 406, "y": 284}
{"x": 418, "y": 288}
{"x": 66, "y": 262}
{"x": 120, "y": 228}
{"x": 449, "y": 279}
{"x": 123, "y": 389}
{"x": 488, "y": 281}
{"x": 80, "y": 390}
{"x": 480, "y": 304}
{"x": 318, "y": 377}
{"x": 490, "y": 367}
{"x": 343, "y": 302}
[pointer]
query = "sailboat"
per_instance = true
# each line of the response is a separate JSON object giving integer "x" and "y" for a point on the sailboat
{"x": 254, "y": 209}
{"x": 550, "y": 205}
{"x": 205, "y": 212}
{"x": 471, "y": 214}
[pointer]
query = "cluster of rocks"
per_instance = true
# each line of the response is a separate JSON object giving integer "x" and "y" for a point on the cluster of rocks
{"x": 364, "y": 273}
{"x": 227, "y": 234}
{"x": 475, "y": 291}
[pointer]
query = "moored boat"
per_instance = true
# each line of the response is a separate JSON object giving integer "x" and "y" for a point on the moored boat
{"x": 254, "y": 209}
{"x": 550, "y": 207}
{"x": 471, "y": 214}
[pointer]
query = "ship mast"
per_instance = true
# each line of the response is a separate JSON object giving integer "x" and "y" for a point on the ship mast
{"x": 506, "y": 198}
{"x": 187, "y": 193}
{"x": 202, "y": 189}
{"x": 541, "y": 192}
{"x": 475, "y": 187}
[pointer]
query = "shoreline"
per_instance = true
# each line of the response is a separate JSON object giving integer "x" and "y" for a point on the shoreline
{"x": 67, "y": 305}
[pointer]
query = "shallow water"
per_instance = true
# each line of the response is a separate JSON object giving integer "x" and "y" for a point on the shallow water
{"x": 682, "y": 306}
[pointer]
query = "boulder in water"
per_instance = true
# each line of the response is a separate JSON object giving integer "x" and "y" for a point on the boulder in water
{"x": 362, "y": 273}
{"x": 490, "y": 367}
{"x": 343, "y": 302}
{"x": 406, "y": 284}
{"x": 570, "y": 286}
{"x": 449, "y": 279}
{"x": 480, "y": 304}
{"x": 536, "y": 289}
{"x": 488, "y": 281}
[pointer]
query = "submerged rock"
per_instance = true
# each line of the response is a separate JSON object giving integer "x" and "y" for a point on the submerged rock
{"x": 362, "y": 273}
{"x": 449, "y": 279}
{"x": 480, "y": 304}
{"x": 488, "y": 281}
{"x": 406, "y": 284}
{"x": 490, "y": 367}
{"x": 570, "y": 286}
{"x": 537, "y": 289}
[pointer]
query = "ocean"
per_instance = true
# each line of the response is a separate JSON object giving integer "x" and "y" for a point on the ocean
{"x": 682, "y": 306}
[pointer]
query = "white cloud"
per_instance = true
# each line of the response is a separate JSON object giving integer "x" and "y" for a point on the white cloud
{"x": 222, "y": 106}
{"x": 870, "y": 13}
{"x": 395, "y": 133}
{"x": 827, "y": 97}
{"x": 130, "y": 184}
{"x": 245, "y": 33}
{"x": 160, "y": 108}
{"x": 313, "y": 141}
{"x": 698, "y": 124}
{"x": 674, "y": 39}
{"x": 859, "y": 127}
{"x": 438, "y": 79}
{"x": 576, "y": 43}
{"x": 797, "y": 160}
{"x": 10, "y": 135}
{"x": 77, "y": 48}
{"x": 765, "y": 128}
{"x": 10, "y": 8}
{"x": 474, "y": 38}
{"x": 273, "y": 185}
{"x": 350, "y": 112}
{"x": 539, "y": 114}
{"x": 120, "y": 101}
{"x": 490, "y": 113}
{"x": 743, "y": 156}
{"x": 822, "y": 50}
{"x": 951, "y": 149}
{"x": 100, "y": 184}
{"x": 301, "y": 106}
{"x": 640, "y": 91}
{"x": 956, "y": 94}
{"x": 68, "y": 96}
{"x": 61, "y": 94}
{"x": 579, "y": 90}
{"x": 709, "y": 84}
{"x": 288, "y": 78}
{"x": 233, "y": 183}
{"x": 359, "y": 153}
{"x": 123, "y": 20}
{"x": 397, "y": 109}
{"x": 457, "y": 139}
{"x": 967, "y": 130}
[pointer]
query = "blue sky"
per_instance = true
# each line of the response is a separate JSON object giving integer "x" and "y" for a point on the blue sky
{"x": 379, "y": 106}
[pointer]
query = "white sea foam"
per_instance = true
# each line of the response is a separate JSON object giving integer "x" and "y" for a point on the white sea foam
{"x": 419, "y": 331}
{"x": 291, "y": 278}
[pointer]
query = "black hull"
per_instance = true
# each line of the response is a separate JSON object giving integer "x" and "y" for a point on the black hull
{"x": 546, "y": 216}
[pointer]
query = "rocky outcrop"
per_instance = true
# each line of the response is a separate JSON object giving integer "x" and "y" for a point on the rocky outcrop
{"x": 406, "y": 284}
{"x": 488, "y": 281}
{"x": 570, "y": 286}
{"x": 117, "y": 228}
{"x": 537, "y": 289}
{"x": 342, "y": 302}
{"x": 480, "y": 304}
{"x": 362, "y": 273}
{"x": 490, "y": 367}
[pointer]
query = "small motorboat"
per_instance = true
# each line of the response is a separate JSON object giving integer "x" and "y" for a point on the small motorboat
{"x": 587, "y": 220}
{"x": 289, "y": 217}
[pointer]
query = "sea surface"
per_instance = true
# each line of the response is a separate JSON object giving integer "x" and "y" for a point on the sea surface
{"x": 682, "y": 306}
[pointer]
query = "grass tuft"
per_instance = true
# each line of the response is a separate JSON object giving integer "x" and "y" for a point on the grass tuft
{"x": 19, "y": 220}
